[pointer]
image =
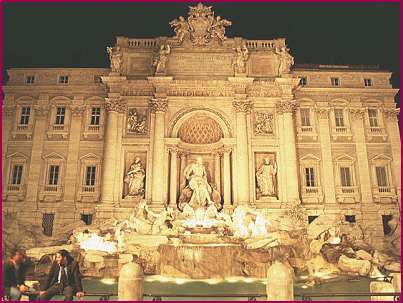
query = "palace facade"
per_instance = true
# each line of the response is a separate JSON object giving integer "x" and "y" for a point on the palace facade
{"x": 89, "y": 143}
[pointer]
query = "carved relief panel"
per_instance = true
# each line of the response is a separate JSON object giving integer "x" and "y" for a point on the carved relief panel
{"x": 263, "y": 123}
{"x": 137, "y": 122}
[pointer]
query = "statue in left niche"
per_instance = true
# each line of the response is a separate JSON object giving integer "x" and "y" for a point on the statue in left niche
{"x": 161, "y": 59}
{"x": 136, "y": 123}
{"x": 115, "y": 58}
{"x": 135, "y": 179}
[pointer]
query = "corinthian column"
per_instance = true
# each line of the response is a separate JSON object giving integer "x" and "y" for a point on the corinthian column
{"x": 113, "y": 106}
{"x": 242, "y": 108}
{"x": 287, "y": 109}
{"x": 173, "y": 180}
{"x": 227, "y": 177}
{"x": 158, "y": 107}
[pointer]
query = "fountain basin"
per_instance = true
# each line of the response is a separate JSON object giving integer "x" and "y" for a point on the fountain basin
{"x": 200, "y": 261}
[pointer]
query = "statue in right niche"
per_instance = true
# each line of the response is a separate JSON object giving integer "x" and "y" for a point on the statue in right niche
{"x": 266, "y": 178}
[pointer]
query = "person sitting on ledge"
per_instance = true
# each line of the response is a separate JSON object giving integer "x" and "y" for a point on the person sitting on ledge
{"x": 14, "y": 276}
{"x": 64, "y": 278}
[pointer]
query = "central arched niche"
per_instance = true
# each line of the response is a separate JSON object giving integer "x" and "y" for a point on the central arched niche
{"x": 200, "y": 129}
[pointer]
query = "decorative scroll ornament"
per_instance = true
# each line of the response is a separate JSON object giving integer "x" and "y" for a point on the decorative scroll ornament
{"x": 357, "y": 113}
{"x": 391, "y": 113}
{"x": 77, "y": 111}
{"x": 158, "y": 105}
{"x": 322, "y": 112}
{"x": 136, "y": 123}
{"x": 115, "y": 105}
{"x": 286, "y": 106}
{"x": 264, "y": 123}
{"x": 242, "y": 106}
{"x": 115, "y": 58}
{"x": 41, "y": 111}
{"x": 201, "y": 26}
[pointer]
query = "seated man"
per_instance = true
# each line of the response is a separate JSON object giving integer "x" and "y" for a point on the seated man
{"x": 14, "y": 276}
{"x": 64, "y": 278}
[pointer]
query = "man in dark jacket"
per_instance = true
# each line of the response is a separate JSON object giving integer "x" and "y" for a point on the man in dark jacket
{"x": 64, "y": 278}
{"x": 14, "y": 276}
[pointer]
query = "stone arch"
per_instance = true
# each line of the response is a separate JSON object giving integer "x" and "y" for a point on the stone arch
{"x": 60, "y": 98}
{"x": 211, "y": 115}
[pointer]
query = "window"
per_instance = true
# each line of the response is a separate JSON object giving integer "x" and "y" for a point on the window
{"x": 86, "y": 218}
{"x": 309, "y": 177}
{"x": 64, "y": 79}
{"x": 385, "y": 220}
{"x": 25, "y": 112}
{"x": 95, "y": 115}
{"x": 303, "y": 81}
{"x": 350, "y": 218}
{"x": 311, "y": 219}
{"x": 53, "y": 174}
{"x": 90, "y": 176}
{"x": 335, "y": 81}
{"x": 381, "y": 178}
{"x": 60, "y": 114}
{"x": 373, "y": 117}
{"x": 339, "y": 117}
{"x": 47, "y": 224}
{"x": 345, "y": 176}
{"x": 367, "y": 82}
{"x": 305, "y": 121}
{"x": 29, "y": 79}
{"x": 16, "y": 174}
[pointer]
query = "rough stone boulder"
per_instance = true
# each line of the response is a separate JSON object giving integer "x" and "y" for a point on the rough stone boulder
{"x": 320, "y": 225}
{"x": 346, "y": 264}
{"x": 363, "y": 255}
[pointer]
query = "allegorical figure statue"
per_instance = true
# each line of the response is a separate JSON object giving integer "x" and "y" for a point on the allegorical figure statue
{"x": 285, "y": 60}
{"x": 242, "y": 56}
{"x": 196, "y": 175}
{"x": 218, "y": 28}
{"x": 181, "y": 28}
{"x": 160, "y": 61}
{"x": 135, "y": 178}
{"x": 266, "y": 178}
{"x": 115, "y": 58}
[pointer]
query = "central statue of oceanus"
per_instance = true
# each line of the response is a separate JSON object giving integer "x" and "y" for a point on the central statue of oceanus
{"x": 198, "y": 193}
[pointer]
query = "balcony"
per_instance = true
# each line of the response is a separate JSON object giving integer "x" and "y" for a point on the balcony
{"x": 374, "y": 132}
{"x": 348, "y": 194}
{"x": 93, "y": 132}
{"x": 14, "y": 192}
{"x": 22, "y": 132}
{"x": 58, "y": 132}
{"x": 50, "y": 192}
{"x": 312, "y": 194}
{"x": 384, "y": 194}
{"x": 88, "y": 193}
{"x": 341, "y": 133}
{"x": 305, "y": 132}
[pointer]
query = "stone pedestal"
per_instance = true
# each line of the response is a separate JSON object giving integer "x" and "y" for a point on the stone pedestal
{"x": 131, "y": 283}
{"x": 280, "y": 282}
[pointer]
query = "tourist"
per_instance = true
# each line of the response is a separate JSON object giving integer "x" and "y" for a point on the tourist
{"x": 14, "y": 276}
{"x": 64, "y": 278}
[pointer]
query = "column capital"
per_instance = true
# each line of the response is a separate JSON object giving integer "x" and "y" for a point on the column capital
{"x": 242, "y": 105}
{"x": 182, "y": 153}
{"x": 357, "y": 113}
{"x": 41, "y": 111}
{"x": 77, "y": 111}
{"x": 287, "y": 106}
{"x": 115, "y": 104}
{"x": 173, "y": 150}
{"x": 218, "y": 152}
{"x": 227, "y": 149}
{"x": 322, "y": 112}
{"x": 391, "y": 113}
{"x": 158, "y": 105}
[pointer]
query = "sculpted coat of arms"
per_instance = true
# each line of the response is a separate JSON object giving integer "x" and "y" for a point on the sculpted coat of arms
{"x": 201, "y": 26}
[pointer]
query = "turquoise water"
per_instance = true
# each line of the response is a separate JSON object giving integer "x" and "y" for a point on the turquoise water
{"x": 156, "y": 286}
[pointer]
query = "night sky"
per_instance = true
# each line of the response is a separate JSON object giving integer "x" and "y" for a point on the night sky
{"x": 76, "y": 34}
